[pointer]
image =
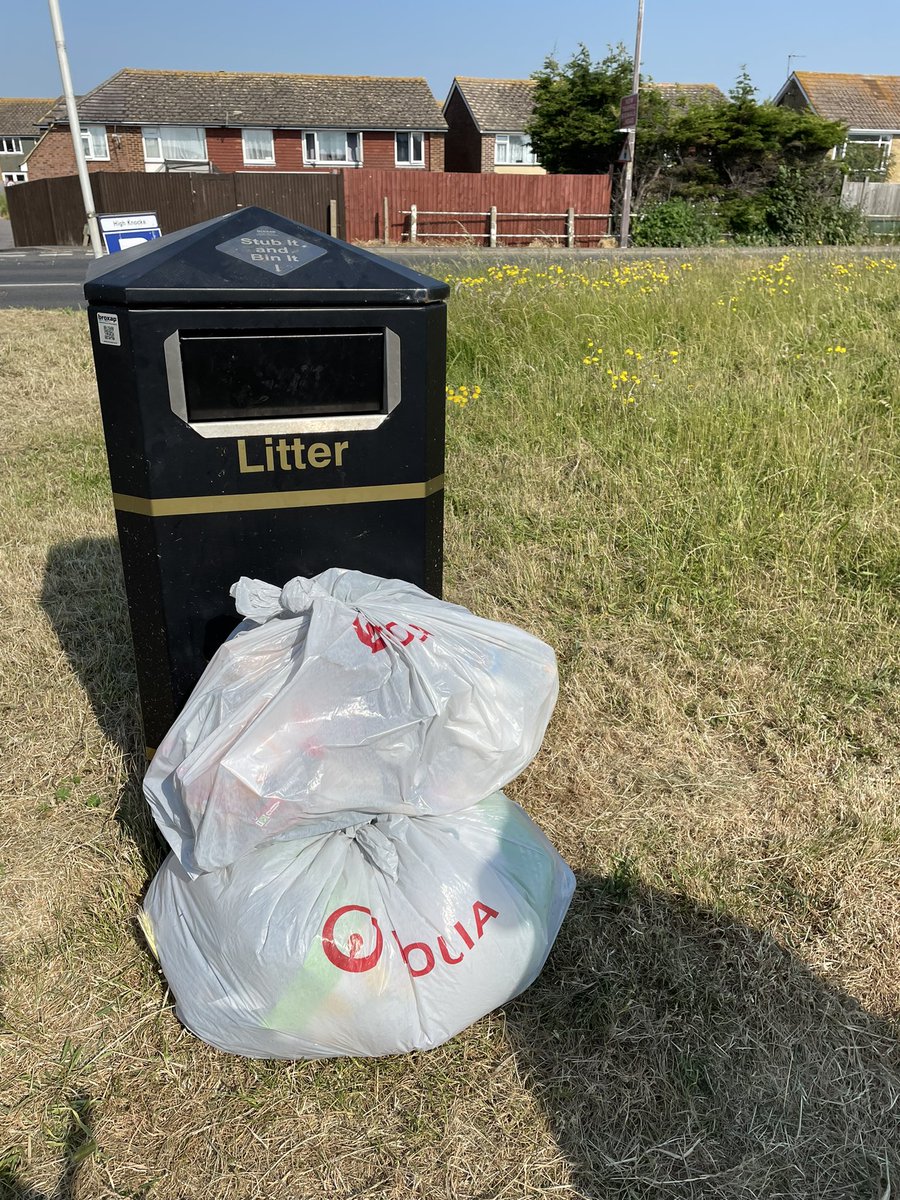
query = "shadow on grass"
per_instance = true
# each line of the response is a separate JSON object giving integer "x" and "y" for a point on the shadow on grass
{"x": 680, "y": 1053}
{"x": 84, "y": 598}
{"x": 677, "y": 1052}
{"x": 76, "y": 1143}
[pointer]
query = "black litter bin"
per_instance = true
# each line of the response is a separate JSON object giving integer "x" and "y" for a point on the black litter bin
{"x": 273, "y": 403}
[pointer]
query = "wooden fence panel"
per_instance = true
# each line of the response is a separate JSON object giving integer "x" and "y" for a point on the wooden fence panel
{"x": 178, "y": 198}
{"x": 68, "y": 211}
{"x": 874, "y": 199}
{"x": 31, "y": 214}
{"x": 299, "y": 197}
{"x": 49, "y": 212}
{"x": 436, "y": 192}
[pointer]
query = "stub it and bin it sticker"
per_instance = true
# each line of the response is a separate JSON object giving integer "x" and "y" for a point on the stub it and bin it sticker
{"x": 270, "y": 250}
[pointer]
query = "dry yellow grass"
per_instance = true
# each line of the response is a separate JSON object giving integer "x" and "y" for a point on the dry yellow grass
{"x": 719, "y": 1018}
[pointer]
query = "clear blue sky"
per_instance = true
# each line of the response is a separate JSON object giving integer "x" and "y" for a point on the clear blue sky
{"x": 690, "y": 41}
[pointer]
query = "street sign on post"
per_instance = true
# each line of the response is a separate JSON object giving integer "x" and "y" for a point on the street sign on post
{"x": 628, "y": 111}
{"x": 121, "y": 231}
{"x": 628, "y": 117}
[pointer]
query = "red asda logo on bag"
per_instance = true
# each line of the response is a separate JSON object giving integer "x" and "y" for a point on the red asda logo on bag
{"x": 374, "y": 636}
{"x": 363, "y": 950}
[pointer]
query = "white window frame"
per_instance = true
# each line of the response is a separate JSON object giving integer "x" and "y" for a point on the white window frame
{"x": 160, "y": 137}
{"x": 89, "y": 136}
{"x": 316, "y": 161}
{"x": 412, "y": 162}
{"x": 10, "y": 178}
{"x": 529, "y": 158}
{"x": 10, "y": 145}
{"x": 257, "y": 162}
{"x": 880, "y": 138}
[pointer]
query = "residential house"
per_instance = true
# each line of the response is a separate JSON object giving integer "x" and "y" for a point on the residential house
{"x": 686, "y": 95}
{"x": 869, "y": 105}
{"x": 19, "y": 120}
{"x": 486, "y": 120}
{"x": 141, "y": 120}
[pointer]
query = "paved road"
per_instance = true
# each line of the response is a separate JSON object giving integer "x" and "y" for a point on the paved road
{"x": 42, "y": 278}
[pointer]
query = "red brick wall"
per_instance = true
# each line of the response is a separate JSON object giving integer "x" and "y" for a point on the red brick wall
{"x": 379, "y": 152}
{"x": 225, "y": 148}
{"x": 463, "y": 150}
{"x": 226, "y": 151}
{"x": 53, "y": 155}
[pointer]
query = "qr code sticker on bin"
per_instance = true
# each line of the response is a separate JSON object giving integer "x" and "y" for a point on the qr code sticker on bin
{"x": 108, "y": 328}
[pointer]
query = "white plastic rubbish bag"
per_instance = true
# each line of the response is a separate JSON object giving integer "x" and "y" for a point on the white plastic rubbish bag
{"x": 353, "y": 696}
{"x": 387, "y": 937}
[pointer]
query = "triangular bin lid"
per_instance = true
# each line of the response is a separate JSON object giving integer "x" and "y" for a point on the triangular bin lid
{"x": 254, "y": 257}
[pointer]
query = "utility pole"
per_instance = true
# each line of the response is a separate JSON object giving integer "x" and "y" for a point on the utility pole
{"x": 625, "y": 226}
{"x": 75, "y": 128}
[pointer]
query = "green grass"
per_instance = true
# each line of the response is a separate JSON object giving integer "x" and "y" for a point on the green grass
{"x": 714, "y": 555}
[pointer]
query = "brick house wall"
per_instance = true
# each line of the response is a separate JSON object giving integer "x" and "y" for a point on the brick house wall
{"x": 488, "y": 151}
{"x": 378, "y": 149}
{"x": 379, "y": 152}
{"x": 435, "y": 145}
{"x": 225, "y": 148}
{"x": 463, "y": 150}
{"x": 53, "y": 155}
{"x": 226, "y": 151}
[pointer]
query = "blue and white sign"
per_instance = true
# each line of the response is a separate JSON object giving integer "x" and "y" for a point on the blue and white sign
{"x": 122, "y": 231}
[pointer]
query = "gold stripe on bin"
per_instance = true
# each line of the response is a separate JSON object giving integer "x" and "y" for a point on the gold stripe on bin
{"x": 182, "y": 506}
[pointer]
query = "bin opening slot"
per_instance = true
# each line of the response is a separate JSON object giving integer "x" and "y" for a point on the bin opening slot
{"x": 230, "y": 376}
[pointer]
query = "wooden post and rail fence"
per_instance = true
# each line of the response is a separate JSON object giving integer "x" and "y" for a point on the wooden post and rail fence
{"x": 493, "y": 217}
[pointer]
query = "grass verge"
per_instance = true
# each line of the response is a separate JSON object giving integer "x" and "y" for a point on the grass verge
{"x": 684, "y": 476}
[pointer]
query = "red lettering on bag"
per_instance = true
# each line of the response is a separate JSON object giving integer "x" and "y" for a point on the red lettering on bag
{"x": 406, "y": 951}
{"x": 480, "y": 921}
{"x": 371, "y": 635}
{"x": 352, "y": 961}
{"x": 461, "y": 930}
{"x": 445, "y": 954}
{"x": 389, "y": 630}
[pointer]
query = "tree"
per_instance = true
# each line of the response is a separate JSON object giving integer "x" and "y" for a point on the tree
{"x": 574, "y": 129}
{"x": 742, "y": 144}
{"x": 730, "y": 154}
